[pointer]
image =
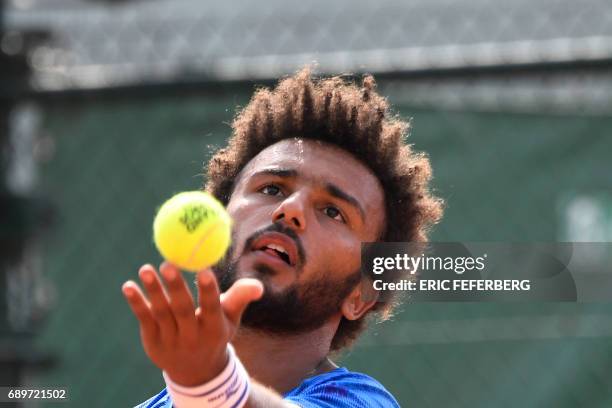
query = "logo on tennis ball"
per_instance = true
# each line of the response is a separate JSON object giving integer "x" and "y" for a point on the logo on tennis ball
{"x": 193, "y": 216}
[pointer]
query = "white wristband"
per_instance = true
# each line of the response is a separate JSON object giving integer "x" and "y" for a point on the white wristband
{"x": 230, "y": 389}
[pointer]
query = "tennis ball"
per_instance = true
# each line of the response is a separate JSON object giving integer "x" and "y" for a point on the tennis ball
{"x": 192, "y": 230}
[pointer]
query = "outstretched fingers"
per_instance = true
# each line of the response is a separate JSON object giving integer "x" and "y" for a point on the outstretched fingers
{"x": 208, "y": 297}
{"x": 181, "y": 302}
{"x": 141, "y": 309}
{"x": 160, "y": 305}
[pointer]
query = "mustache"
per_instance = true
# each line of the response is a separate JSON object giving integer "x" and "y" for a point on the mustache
{"x": 280, "y": 228}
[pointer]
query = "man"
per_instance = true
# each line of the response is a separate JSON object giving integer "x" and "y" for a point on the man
{"x": 313, "y": 169}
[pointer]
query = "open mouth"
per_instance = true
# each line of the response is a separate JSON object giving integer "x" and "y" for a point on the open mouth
{"x": 277, "y": 245}
{"x": 277, "y": 250}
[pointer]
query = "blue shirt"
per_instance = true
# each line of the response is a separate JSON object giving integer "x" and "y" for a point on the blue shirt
{"x": 339, "y": 388}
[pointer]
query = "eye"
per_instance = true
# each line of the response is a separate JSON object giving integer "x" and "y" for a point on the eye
{"x": 270, "y": 189}
{"x": 333, "y": 212}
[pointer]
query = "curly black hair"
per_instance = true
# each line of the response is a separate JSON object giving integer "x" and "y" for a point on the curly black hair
{"x": 354, "y": 118}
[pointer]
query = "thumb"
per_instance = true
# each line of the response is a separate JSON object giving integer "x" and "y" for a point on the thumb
{"x": 238, "y": 297}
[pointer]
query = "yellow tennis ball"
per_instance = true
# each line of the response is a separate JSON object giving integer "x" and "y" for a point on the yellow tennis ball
{"x": 192, "y": 230}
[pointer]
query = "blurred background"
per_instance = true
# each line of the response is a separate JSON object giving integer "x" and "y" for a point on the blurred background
{"x": 107, "y": 108}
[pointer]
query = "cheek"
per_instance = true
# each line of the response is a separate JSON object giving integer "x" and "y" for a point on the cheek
{"x": 247, "y": 217}
{"x": 249, "y": 210}
{"x": 336, "y": 254}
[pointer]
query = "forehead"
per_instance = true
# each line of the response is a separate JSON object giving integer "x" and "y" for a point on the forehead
{"x": 322, "y": 162}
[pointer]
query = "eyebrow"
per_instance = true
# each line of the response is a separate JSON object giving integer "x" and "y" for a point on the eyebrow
{"x": 277, "y": 172}
{"x": 335, "y": 191}
{"x": 330, "y": 188}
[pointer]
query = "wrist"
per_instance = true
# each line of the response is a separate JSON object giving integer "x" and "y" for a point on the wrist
{"x": 188, "y": 378}
{"x": 228, "y": 389}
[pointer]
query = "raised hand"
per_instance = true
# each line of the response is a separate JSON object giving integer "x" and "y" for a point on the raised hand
{"x": 188, "y": 343}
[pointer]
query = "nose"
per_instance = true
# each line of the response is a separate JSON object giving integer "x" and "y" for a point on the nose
{"x": 292, "y": 211}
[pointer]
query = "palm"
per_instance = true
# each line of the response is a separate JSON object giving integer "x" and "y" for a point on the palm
{"x": 188, "y": 343}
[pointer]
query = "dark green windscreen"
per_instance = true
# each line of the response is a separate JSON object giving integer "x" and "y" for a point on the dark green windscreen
{"x": 505, "y": 177}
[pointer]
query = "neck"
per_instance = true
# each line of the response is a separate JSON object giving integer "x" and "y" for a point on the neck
{"x": 283, "y": 362}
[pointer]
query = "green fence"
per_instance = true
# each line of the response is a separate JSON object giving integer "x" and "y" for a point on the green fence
{"x": 506, "y": 177}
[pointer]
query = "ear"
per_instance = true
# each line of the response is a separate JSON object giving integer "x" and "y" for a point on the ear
{"x": 357, "y": 303}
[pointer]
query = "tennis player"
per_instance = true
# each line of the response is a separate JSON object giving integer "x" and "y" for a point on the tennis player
{"x": 313, "y": 168}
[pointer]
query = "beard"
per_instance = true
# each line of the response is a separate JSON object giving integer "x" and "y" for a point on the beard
{"x": 299, "y": 308}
